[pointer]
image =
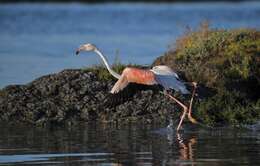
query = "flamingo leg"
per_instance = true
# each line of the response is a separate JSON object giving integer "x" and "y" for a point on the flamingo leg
{"x": 191, "y": 101}
{"x": 185, "y": 109}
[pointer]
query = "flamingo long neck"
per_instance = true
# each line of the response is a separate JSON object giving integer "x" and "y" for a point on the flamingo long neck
{"x": 111, "y": 71}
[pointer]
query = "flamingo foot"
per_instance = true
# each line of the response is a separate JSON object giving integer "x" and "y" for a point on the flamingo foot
{"x": 194, "y": 84}
{"x": 194, "y": 121}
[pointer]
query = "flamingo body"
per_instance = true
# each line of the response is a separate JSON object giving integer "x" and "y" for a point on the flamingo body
{"x": 140, "y": 76}
{"x": 134, "y": 75}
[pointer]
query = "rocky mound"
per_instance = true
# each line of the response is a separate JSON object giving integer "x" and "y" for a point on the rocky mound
{"x": 73, "y": 96}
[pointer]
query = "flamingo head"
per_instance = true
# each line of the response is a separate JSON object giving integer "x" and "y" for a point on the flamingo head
{"x": 86, "y": 47}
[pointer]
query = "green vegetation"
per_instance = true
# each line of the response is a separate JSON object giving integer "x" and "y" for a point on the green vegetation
{"x": 2, "y": 93}
{"x": 227, "y": 61}
{"x": 102, "y": 72}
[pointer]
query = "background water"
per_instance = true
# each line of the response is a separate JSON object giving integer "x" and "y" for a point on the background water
{"x": 38, "y": 39}
{"x": 94, "y": 144}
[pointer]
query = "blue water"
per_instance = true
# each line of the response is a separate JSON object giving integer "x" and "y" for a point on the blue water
{"x": 38, "y": 39}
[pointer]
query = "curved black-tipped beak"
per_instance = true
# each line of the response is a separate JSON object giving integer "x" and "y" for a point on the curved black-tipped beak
{"x": 77, "y": 52}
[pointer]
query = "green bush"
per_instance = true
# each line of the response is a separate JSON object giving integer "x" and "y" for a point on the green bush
{"x": 227, "y": 61}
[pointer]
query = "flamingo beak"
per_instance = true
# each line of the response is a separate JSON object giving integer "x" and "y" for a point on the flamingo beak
{"x": 77, "y": 52}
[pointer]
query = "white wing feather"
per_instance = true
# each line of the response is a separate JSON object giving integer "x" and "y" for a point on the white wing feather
{"x": 169, "y": 79}
{"x": 164, "y": 70}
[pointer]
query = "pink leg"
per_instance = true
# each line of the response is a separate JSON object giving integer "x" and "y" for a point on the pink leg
{"x": 191, "y": 100}
{"x": 184, "y": 109}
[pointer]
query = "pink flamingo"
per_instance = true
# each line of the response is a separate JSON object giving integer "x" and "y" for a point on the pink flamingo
{"x": 162, "y": 75}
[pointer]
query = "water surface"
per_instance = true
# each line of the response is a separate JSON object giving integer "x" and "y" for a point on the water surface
{"x": 38, "y": 39}
{"x": 133, "y": 144}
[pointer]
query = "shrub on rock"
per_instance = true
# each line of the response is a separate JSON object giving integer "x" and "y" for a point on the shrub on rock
{"x": 227, "y": 61}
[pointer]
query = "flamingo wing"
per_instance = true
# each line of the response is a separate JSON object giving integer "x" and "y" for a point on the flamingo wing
{"x": 171, "y": 82}
{"x": 164, "y": 70}
{"x": 166, "y": 77}
{"x": 120, "y": 84}
{"x": 127, "y": 93}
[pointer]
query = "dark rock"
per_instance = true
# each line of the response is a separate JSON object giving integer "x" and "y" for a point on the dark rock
{"x": 73, "y": 96}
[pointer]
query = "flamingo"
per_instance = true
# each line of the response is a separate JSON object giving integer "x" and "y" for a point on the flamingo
{"x": 158, "y": 75}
